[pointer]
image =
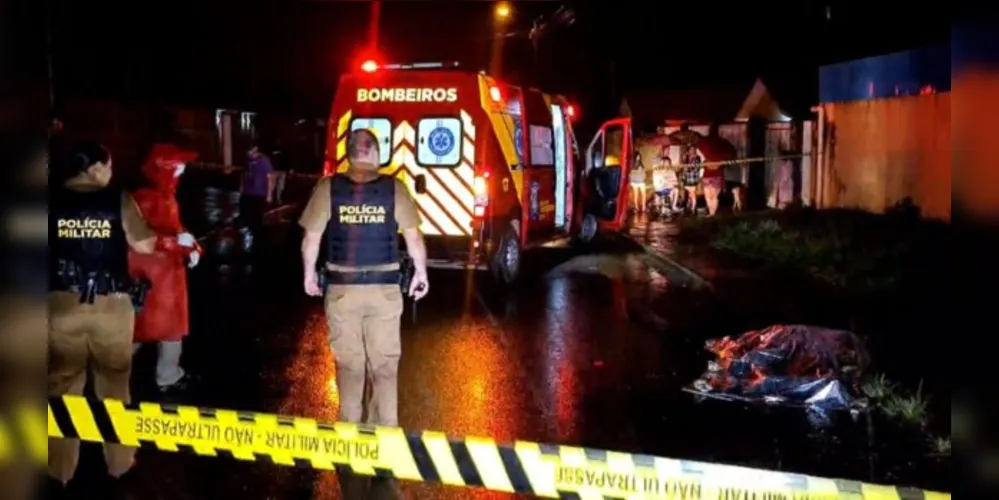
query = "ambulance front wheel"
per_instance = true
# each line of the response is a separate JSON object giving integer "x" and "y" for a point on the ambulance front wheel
{"x": 506, "y": 261}
{"x": 588, "y": 228}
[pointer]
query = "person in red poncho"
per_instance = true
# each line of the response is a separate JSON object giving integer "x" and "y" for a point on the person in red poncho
{"x": 164, "y": 317}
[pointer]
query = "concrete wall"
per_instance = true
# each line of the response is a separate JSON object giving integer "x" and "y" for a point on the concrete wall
{"x": 879, "y": 152}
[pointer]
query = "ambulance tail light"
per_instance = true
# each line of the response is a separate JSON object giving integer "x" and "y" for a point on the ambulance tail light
{"x": 481, "y": 188}
{"x": 327, "y": 168}
{"x": 494, "y": 94}
{"x": 570, "y": 111}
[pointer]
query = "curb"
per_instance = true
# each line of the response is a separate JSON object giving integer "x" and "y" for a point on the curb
{"x": 699, "y": 281}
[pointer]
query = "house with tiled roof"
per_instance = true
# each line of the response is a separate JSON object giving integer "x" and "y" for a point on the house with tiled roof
{"x": 704, "y": 105}
{"x": 726, "y": 112}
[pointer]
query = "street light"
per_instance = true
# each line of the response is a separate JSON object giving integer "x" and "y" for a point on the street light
{"x": 503, "y": 10}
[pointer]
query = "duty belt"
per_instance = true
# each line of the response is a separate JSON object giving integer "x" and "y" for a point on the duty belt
{"x": 363, "y": 277}
{"x": 72, "y": 278}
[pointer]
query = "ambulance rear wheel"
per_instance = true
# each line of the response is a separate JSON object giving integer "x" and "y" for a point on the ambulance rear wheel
{"x": 588, "y": 228}
{"x": 506, "y": 261}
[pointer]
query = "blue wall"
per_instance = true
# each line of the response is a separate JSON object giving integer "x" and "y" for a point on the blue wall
{"x": 889, "y": 75}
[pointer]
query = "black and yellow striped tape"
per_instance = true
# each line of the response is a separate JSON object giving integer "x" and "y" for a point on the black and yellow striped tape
{"x": 21, "y": 435}
{"x": 548, "y": 471}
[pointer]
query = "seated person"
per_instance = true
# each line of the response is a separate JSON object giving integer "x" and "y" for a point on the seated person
{"x": 665, "y": 184}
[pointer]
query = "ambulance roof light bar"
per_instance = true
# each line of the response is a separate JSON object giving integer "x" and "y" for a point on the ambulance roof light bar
{"x": 422, "y": 65}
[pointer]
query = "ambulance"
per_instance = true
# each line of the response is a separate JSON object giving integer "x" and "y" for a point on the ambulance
{"x": 493, "y": 167}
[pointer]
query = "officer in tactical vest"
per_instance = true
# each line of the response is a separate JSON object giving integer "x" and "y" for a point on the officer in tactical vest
{"x": 361, "y": 213}
{"x": 90, "y": 300}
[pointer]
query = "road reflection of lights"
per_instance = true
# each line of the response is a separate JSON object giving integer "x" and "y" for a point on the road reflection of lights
{"x": 469, "y": 298}
{"x": 658, "y": 282}
{"x": 478, "y": 391}
{"x": 560, "y": 374}
{"x": 475, "y": 385}
{"x": 619, "y": 299}
{"x": 314, "y": 391}
{"x": 334, "y": 394}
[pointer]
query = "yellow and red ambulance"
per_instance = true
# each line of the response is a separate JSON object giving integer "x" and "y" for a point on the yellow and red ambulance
{"x": 492, "y": 166}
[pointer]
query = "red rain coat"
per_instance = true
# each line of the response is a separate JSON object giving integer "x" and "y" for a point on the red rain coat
{"x": 165, "y": 313}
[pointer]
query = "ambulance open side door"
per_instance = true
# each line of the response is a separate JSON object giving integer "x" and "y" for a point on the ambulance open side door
{"x": 604, "y": 193}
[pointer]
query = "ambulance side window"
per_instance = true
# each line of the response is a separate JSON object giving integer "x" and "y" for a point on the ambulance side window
{"x": 382, "y": 129}
{"x": 440, "y": 142}
{"x": 595, "y": 153}
{"x": 614, "y": 146}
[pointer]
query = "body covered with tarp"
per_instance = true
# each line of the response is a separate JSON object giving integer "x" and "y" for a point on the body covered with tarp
{"x": 794, "y": 365}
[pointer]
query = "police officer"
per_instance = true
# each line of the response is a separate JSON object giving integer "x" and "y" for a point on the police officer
{"x": 91, "y": 312}
{"x": 360, "y": 213}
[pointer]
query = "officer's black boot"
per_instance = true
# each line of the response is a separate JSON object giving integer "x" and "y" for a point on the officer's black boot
{"x": 179, "y": 390}
{"x": 52, "y": 489}
{"x": 118, "y": 488}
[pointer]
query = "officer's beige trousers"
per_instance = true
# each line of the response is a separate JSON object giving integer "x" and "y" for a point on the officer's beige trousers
{"x": 101, "y": 334}
{"x": 364, "y": 322}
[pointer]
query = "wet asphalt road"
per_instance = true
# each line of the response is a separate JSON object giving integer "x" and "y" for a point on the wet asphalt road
{"x": 558, "y": 359}
{"x": 593, "y": 348}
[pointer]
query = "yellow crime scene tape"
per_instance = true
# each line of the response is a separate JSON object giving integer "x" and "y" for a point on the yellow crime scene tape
{"x": 550, "y": 471}
{"x": 737, "y": 161}
{"x": 675, "y": 166}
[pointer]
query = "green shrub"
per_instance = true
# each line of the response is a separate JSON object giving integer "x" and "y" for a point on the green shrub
{"x": 909, "y": 408}
{"x": 895, "y": 403}
{"x": 839, "y": 248}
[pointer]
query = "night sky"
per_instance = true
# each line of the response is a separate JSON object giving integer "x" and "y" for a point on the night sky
{"x": 286, "y": 56}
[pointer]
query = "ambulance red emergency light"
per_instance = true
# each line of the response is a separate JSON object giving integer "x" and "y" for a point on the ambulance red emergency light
{"x": 492, "y": 166}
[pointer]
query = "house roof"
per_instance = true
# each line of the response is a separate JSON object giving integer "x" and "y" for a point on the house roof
{"x": 705, "y": 104}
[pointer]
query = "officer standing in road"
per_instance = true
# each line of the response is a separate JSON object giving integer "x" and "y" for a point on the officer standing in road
{"x": 90, "y": 300}
{"x": 361, "y": 213}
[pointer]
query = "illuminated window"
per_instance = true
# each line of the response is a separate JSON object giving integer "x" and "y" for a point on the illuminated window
{"x": 382, "y": 128}
{"x": 439, "y": 142}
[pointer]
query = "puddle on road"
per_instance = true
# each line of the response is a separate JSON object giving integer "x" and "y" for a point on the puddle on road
{"x": 633, "y": 268}
{"x": 611, "y": 266}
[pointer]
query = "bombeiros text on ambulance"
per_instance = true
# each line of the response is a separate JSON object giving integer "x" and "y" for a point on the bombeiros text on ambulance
{"x": 410, "y": 94}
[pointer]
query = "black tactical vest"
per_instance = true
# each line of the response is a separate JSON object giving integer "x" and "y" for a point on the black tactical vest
{"x": 85, "y": 230}
{"x": 362, "y": 230}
